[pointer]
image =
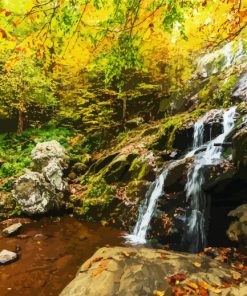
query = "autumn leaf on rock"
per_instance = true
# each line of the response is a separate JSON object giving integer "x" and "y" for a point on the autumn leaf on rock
{"x": 236, "y": 276}
{"x": 158, "y": 293}
{"x": 102, "y": 266}
{"x": 197, "y": 264}
{"x": 179, "y": 277}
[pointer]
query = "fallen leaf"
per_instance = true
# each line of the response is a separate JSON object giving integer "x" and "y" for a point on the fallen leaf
{"x": 213, "y": 289}
{"x": 203, "y": 284}
{"x": 192, "y": 285}
{"x": 197, "y": 264}
{"x": 158, "y": 293}
{"x": 236, "y": 276}
{"x": 102, "y": 266}
{"x": 203, "y": 292}
{"x": 96, "y": 259}
{"x": 179, "y": 277}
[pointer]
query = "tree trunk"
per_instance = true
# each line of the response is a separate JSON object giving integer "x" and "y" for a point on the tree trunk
{"x": 20, "y": 118}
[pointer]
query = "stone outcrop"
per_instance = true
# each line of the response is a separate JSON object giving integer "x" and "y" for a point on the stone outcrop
{"x": 240, "y": 91}
{"x": 140, "y": 271}
{"x": 238, "y": 229}
{"x": 41, "y": 191}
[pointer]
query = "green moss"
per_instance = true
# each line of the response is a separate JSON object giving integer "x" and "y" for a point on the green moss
{"x": 139, "y": 169}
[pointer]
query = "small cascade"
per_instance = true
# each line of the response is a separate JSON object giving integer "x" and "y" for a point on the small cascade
{"x": 147, "y": 209}
{"x": 195, "y": 228}
{"x": 195, "y": 235}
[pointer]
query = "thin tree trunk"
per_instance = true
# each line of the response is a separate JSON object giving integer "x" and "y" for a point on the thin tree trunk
{"x": 20, "y": 118}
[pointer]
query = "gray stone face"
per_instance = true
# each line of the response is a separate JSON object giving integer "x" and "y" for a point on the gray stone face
{"x": 41, "y": 191}
{"x": 7, "y": 256}
{"x": 34, "y": 194}
{"x": 44, "y": 152}
{"x": 53, "y": 172}
{"x": 12, "y": 229}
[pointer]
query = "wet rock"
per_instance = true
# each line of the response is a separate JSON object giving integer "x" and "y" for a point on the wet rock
{"x": 12, "y": 229}
{"x": 7, "y": 257}
{"x": 238, "y": 229}
{"x": 177, "y": 174}
{"x": 140, "y": 271}
{"x": 240, "y": 91}
{"x": 35, "y": 195}
{"x": 44, "y": 152}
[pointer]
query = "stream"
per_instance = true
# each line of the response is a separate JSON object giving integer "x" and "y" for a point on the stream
{"x": 50, "y": 252}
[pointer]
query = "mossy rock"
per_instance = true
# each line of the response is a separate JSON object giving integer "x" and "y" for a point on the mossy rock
{"x": 136, "y": 190}
{"x": 118, "y": 169}
{"x": 102, "y": 162}
{"x": 141, "y": 170}
{"x": 8, "y": 206}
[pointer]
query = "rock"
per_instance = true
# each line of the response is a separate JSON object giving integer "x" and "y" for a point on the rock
{"x": 217, "y": 177}
{"x": 7, "y": 204}
{"x": 7, "y": 257}
{"x": 35, "y": 195}
{"x": 177, "y": 173}
{"x": 238, "y": 229}
{"x": 53, "y": 172}
{"x": 118, "y": 169}
{"x": 240, "y": 91}
{"x": 140, "y": 271}
{"x": 12, "y": 229}
{"x": 239, "y": 153}
{"x": 44, "y": 152}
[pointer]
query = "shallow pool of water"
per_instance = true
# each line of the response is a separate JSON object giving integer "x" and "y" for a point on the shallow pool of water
{"x": 50, "y": 252}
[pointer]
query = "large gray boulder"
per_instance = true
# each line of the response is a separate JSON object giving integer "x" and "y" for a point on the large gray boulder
{"x": 122, "y": 271}
{"x": 35, "y": 195}
{"x": 41, "y": 191}
{"x": 44, "y": 152}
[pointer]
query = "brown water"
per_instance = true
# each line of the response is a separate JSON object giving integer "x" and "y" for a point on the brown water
{"x": 51, "y": 251}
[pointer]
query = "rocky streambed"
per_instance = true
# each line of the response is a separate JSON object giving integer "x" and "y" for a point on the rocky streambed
{"x": 50, "y": 251}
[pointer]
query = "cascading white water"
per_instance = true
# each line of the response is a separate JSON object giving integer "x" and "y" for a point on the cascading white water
{"x": 195, "y": 234}
{"x": 147, "y": 210}
{"x": 155, "y": 191}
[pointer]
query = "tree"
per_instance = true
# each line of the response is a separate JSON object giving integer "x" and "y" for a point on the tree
{"x": 23, "y": 85}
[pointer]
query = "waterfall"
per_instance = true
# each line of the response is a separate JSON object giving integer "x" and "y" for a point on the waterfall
{"x": 195, "y": 234}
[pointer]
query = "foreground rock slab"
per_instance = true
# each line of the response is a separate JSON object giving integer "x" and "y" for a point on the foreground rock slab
{"x": 7, "y": 257}
{"x": 141, "y": 271}
{"x": 12, "y": 229}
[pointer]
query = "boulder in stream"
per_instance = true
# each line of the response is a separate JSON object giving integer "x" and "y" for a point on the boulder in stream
{"x": 12, "y": 229}
{"x": 7, "y": 257}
